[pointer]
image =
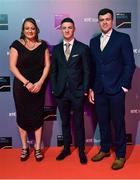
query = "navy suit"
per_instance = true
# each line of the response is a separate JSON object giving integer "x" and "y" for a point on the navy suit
{"x": 113, "y": 69}
{"x": 70, "y": 80}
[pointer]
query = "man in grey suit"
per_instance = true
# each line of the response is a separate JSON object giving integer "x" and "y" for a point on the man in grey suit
{"x": 70, "y": 85}
{"x": 113, "y": 61}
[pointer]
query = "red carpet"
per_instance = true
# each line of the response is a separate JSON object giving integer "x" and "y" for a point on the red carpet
{"x": 69, "y": 168}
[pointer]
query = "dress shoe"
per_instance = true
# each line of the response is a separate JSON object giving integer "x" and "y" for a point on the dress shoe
{"x": 118, "y": 163}
{"x": 63, "y": 154}
{"x": 83, "y": 158}
{"x": 100, "y": 156}
{"x": 24, "y": 154}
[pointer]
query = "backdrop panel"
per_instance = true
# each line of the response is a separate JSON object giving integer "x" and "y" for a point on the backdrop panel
{"x": 48, "y": 14}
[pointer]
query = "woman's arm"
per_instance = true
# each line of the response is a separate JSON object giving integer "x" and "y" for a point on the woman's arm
{"x": 13, "y": 68}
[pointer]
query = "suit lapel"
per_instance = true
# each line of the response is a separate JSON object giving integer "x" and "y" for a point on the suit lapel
{"x": 97, "y": 47}
{"x": 62, "y": 54}
{"x": 110, "y": 43}
{"x": 73, "y": 50}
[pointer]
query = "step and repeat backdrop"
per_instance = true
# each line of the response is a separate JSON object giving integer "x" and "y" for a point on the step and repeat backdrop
{"x": 48, "y": 14}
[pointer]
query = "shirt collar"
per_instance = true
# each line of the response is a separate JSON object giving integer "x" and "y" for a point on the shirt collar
{"x": 70, "y": 42}
{"x": 108, "y": 33}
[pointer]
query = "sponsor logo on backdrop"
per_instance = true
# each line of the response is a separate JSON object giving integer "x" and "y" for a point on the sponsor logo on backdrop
{"x": 60, "y": 141}
{"x": 135, "y": 111}
{"x": 12, "y": 114}
{"x": 90, "y": 20}
{"x": 7, "y": 53}
{"x": 31, "y": 142}
{"x": 3, "y": 21}
{"x": 5, "y": 142}
{"x": 89, "y": 141}
{"x": 136, "y": 51}
{"x": 123, "y": 20}
{"x": 50, "y": 113}
{"x": 58, "y": 19}
{"x": 4, "y": 83}
{"x": 129, "y": 138}
{"x": 96, "y": 141}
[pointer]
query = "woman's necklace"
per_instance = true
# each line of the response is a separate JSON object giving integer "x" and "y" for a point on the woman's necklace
{"x": 31, "y": 46}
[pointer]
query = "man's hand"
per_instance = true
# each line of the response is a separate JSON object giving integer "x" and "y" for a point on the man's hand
{"x": 124, "y": 89}
{"x": 91, "y": 96}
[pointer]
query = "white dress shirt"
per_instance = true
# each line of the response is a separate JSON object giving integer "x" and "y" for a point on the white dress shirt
{"x": 71, "y": 44}
{"x": 104, "y": 39}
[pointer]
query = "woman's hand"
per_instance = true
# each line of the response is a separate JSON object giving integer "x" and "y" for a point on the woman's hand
{"x": 30, "y": 86}
{"x": 36, "y": 87}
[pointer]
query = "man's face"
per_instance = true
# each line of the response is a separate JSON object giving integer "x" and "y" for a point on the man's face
{"x": 105, "y": 23}
{"x": 68, "y": 29}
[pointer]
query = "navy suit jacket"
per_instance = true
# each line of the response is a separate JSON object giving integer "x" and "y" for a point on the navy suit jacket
{"x": 113, "y": 67}
{"x": 74, "y": 72}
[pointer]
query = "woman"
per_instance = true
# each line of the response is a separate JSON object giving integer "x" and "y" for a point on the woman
{"x": 30, "y": 64}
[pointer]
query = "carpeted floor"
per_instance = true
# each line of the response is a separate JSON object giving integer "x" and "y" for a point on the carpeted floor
{"x": 69, "y": 168}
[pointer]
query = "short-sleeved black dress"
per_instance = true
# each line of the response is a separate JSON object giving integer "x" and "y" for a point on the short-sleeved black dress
{"x": 29, "y": 106}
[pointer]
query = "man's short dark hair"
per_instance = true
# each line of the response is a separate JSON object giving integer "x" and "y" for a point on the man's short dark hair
{"x": 105, "y": 11}
{"x": 67, "y": 20}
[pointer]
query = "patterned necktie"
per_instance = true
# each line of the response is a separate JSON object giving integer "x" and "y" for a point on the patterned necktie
{"x": 67, "y": 51}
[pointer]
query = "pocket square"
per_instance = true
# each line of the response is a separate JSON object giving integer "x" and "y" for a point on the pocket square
{"x": 75, "y": 55}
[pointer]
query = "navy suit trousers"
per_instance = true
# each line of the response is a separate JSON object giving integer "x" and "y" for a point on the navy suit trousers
{"x": 111, "y": 109}
{"x": 67, "y": 103}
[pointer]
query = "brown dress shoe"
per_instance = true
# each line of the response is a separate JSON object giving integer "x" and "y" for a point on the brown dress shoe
{"x": 118, "y": 163}
{"x": 100, "y": 156}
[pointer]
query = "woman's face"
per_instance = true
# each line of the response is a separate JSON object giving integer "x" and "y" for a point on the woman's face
{"x": 29, "y": 30}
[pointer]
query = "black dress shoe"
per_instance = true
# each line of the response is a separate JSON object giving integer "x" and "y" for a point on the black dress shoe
{"x": 83, "y": 158}
{"x": 63, "y": 154}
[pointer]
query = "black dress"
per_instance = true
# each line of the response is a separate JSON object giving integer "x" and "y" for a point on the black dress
{"x": 29, "y": 106}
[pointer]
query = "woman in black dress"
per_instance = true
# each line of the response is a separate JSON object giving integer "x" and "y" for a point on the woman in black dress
{"x": 30, "y": 64}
